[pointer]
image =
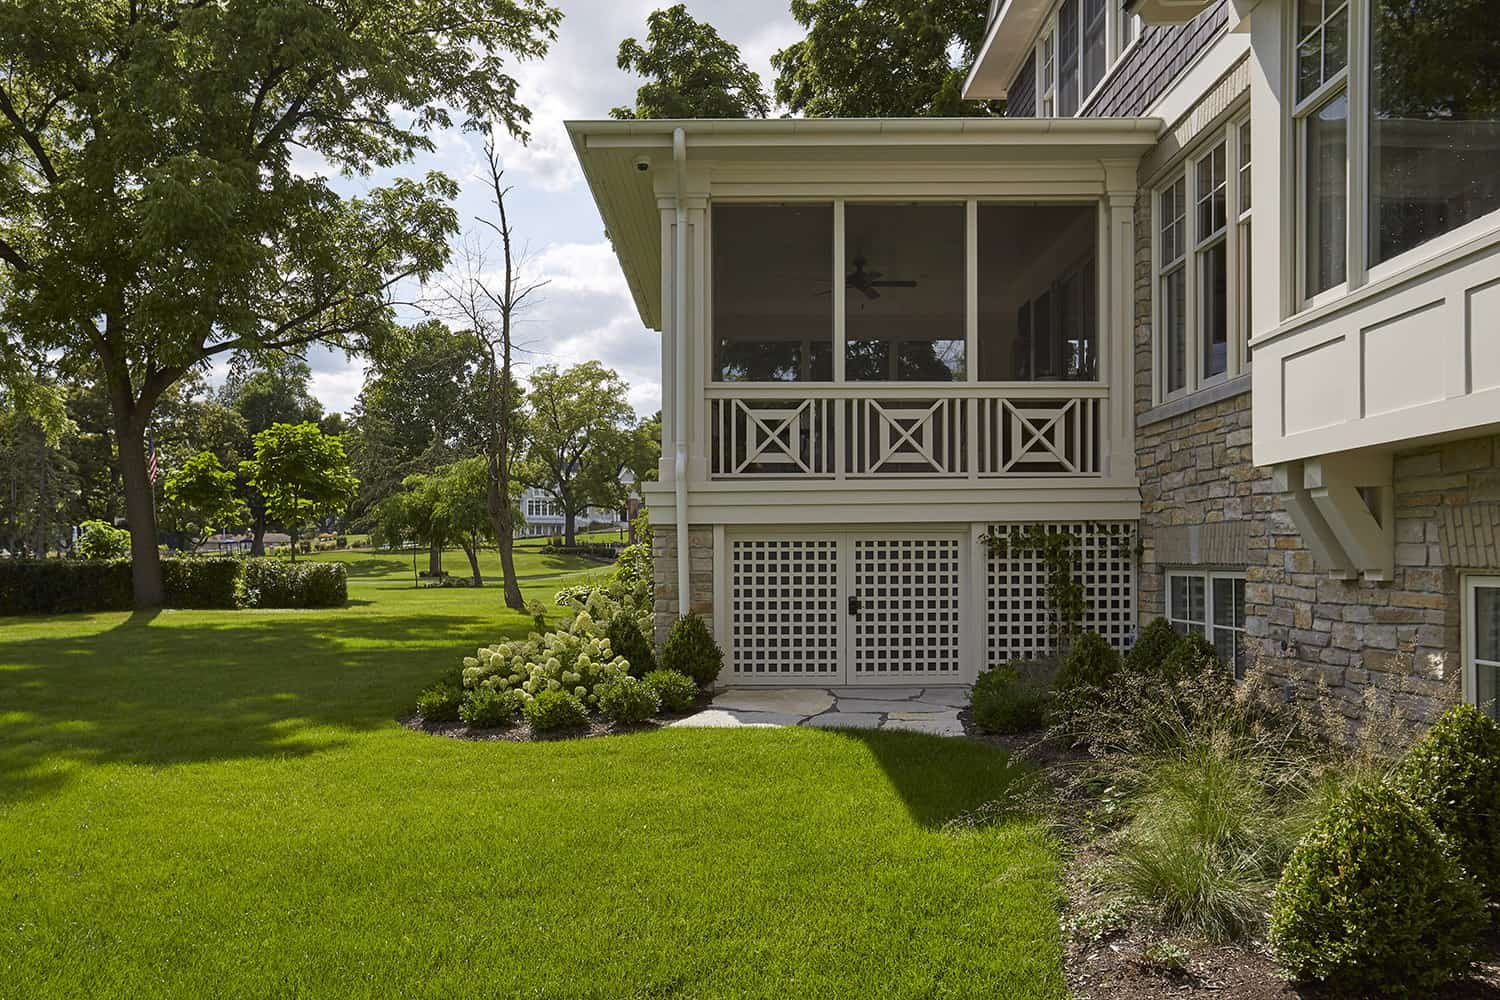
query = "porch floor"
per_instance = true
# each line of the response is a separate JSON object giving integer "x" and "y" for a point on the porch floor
{"x": 931, "y": 710}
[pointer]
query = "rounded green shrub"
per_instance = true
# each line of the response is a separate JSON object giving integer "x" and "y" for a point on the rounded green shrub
{"x": 488, "y": 708}
{"x": 1372, "y": 900}
{"x": 1192, "y": 656}
{"x": 1152, "y": 647}
{"x": 625, "y": 640}
{"x": 691, "y": 650}
{"x": 440, "y": 703}
{"x": 629, "y": 699}
{"x": 1005, "y": 700}
{"x": 102, "y": 540}
{"x": 1092, "y": 662}
{"x": 677, "y": 692}
{"x": 1453, "y": 775}
{"x": 555, "y": 709}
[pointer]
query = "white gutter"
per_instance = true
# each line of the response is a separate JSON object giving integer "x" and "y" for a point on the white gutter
{"x": 679, "y": 387}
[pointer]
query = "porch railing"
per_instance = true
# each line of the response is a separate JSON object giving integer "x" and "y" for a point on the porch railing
{"x": 856, "y": 431}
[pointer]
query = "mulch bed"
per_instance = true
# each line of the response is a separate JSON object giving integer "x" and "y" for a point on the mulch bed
{"x": 521, "y": 732}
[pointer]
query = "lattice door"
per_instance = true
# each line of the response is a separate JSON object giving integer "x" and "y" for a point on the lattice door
{"x": 785, "y": 609}
{"x": 908, "y": 625}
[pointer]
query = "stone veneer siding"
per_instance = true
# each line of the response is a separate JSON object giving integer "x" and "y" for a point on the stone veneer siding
{"x": 701, "y": 569}
{"x": 1205, "y": 505}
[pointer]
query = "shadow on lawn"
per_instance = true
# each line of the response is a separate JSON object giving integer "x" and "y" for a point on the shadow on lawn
{"x": 161, "y": 689}
{"x": 940, "y": 778}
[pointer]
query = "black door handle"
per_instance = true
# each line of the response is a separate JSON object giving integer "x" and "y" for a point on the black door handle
{"x": 854, "y": 605}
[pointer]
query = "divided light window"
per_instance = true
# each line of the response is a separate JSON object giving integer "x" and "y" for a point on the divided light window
{"x": 1081, "y": 40}
{"x": 1202, "y": 286}
{"x": 1211, "y": 605}
{"x": 1419, "y": 82}
{"x": 1482, "y": 643}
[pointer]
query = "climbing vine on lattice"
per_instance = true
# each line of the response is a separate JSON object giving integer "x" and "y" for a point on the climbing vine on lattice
{"x": 1056, "y": 548}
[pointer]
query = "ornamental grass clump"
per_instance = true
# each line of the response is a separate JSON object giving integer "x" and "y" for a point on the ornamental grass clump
{"x": 1374, "y": 902}
{"x": 1453, "y": 775}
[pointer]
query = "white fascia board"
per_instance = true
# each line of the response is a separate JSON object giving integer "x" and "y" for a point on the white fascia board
{"x": 1006, "y": 43}
{"x": 1189, "y": 88}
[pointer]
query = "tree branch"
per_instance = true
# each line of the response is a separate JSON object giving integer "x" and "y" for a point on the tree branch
{"x": 13, "y": 257}
{"x": 32, "y": 140}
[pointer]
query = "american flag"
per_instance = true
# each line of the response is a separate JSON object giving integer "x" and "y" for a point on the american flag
{"x": 151, "y": 457}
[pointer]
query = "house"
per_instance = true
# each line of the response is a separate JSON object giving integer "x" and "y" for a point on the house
{"x": 885, "y": 340}
{"x": 542, "y": 516}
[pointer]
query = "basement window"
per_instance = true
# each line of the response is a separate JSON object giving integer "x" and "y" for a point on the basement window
{"x": 1211, "y": 605}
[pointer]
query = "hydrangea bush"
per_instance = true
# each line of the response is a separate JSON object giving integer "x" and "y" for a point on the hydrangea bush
{"x": 577, "y": 660}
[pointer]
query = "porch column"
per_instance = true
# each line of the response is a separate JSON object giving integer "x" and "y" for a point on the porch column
{"x": 1119, "y": 334}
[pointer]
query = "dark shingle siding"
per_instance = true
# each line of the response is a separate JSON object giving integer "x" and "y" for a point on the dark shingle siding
{"x": 1020, "y": 100}
{"x": 1163, "y": 53}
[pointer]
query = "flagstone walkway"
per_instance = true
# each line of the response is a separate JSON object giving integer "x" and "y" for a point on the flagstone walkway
{"x": 915, "y": 709}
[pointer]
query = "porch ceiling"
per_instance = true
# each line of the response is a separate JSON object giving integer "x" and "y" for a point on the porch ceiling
{"x": 610, "y": 153}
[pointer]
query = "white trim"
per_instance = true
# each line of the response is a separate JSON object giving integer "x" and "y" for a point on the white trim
{"x": 1211, "y": 64}
{"x": 1209, "y": 625}
{"x": 1470, "y": 636}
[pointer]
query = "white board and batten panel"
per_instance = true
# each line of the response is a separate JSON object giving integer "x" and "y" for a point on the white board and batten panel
{"x": 1408, "y": 357}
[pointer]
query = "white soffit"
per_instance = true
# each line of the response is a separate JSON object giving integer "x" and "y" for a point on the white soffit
{"x": 1006, "y": 42}
{"x": 611, "y": 153}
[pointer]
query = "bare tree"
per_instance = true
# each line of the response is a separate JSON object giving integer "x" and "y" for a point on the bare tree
{"x": 490, "y": 308}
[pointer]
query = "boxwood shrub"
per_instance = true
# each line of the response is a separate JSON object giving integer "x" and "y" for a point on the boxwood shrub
{"x": 690, "y": 649}
{"x": 677, "y": 692}
{"x": 276, "y": 583}
{"x": 1091, "y": 663}
{"x": 1372, "y": 900}
{"x": 1152, "y": 647}
{"x": 556, "y": 709}
{"x": 1008, "y": 700}
{"x": 487, "y": 708}
{"x": 625, "y": 640}
{"x": 629, "y": 699}
{"x": 440, "y": 703}
{"x": 1453, "y": 775}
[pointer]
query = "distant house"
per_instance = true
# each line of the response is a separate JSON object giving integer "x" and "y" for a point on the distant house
{"x": 884, "y": 339}
{"x": 230, "y": 544}
{"x": 543, "y": 517}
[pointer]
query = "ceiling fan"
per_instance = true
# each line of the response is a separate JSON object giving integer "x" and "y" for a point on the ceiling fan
{"x": 868, "y": 281}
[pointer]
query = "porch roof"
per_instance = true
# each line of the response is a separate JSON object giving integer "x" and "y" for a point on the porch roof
{"x": 611, "y": 152}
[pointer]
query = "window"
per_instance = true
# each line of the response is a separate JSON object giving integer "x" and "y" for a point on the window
{"x": 1415, "y": 121}
{"x": 1094, "y": 53}
{"x": 1074, "y": 52}
{"x": 1038, "y": 307}
{"x": 1067, "y": 59}
{"x": 1047, "y": 85}
{"x": 1202, "y": 265}
{"x": 772, "y": 311}
{"x": 1128, "y": 26}
{"x": 904, "y": 313}
{"x": 1211, "y": 605}
{"x": 1482, "y": 642}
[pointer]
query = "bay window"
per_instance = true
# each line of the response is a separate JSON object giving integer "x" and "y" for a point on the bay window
{"x": 1202, "y": 274}
{"x": 1397, "y": 114}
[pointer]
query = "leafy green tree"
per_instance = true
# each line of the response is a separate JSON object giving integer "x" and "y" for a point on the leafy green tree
{"x": 150, "y": 215}
{"x": 264, "y": 391}
{"x": 690, "y": 71}
{"x": 641, "y": 449}
{"x": 200, "y": 495}
{"x": 302, "y": 473}
{"x": 102, "y": 540}
{"x": 888, "y": 59}
{"x": 575, "y": 436}
{"x": 449, "y": 506}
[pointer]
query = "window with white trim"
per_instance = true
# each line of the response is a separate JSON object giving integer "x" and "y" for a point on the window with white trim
{"x": 1397, "y": 121}
{"x": 1482, "y": 643}
{"x": 1212, "y": 605}
{"x": 1080, "y": 42}
{"x": 1046, "y": 86}
{"x": 1201, "y": 233}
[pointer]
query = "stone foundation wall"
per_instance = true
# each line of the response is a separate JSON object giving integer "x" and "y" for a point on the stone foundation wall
{"x": 701, "y": 569}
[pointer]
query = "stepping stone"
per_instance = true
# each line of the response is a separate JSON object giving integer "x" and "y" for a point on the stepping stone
{"x": 714, "y": 718}
{"x": 874, "y": 693}
{"x": 933, "y": 727}
{"x": 925, "y": 716}
{"x": 844, "y": 720}
{"x": 957, "y": 697}
{"x": 801, "y": 702}
{"x": 859, "y": 705}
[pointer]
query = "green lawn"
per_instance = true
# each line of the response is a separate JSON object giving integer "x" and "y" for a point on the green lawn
{"x": 211, "y": 804}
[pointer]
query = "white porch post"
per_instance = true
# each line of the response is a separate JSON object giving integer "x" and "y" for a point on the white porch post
{"x": 1119, "y": 332}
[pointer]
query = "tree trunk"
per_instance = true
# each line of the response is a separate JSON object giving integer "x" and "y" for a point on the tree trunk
{"x": 434, "y": 560}
{"x": 472, "y": 551}
{"x": 504, "y": 527}
{"x": 140, "y": 514}
{"x": 570, "y": 532}
{"x": 258, "y": 536}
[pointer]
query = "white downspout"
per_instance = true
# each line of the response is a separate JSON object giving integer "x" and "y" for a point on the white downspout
{"x": 680, "y": 378}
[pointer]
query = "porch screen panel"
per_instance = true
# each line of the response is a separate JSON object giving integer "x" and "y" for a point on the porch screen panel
{"x": 1018, "y": 616}
{"x": 785, "y": 611}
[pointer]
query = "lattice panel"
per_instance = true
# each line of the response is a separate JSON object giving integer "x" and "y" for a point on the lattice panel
{"x": 909, "y": 591}
{"x": 785, "y": 607}
{"x": 1017, "y": 622}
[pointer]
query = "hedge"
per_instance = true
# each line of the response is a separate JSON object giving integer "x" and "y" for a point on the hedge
{"x": 59, "y": 586}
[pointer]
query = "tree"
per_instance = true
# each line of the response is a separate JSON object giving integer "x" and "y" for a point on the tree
{"x": 264, "y": 391}
{"x": 892, "y": 59}
{"x": 200, "y": 495}
{"x": 302, "y": 473}
{"x": 447, "y": 507}
{"x": 151, "y": 218}
{"x": 691, "y": 72}
{"x": 575, "y": 421}
{"x": 495, "y": 400}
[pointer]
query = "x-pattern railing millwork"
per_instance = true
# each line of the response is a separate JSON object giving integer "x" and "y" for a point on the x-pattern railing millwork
{"x": 1035, "y": 434}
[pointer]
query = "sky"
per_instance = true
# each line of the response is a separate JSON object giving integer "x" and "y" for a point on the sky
{"x": 585, "y": 312}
